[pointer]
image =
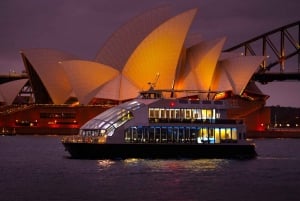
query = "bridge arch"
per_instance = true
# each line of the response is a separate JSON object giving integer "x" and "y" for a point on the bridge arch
{"x": 278, "y": 46}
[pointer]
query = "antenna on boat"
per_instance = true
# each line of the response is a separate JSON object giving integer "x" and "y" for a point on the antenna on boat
{"x": 153, "y": 84}
{"x": 208, "y": 94}
{"x": 172, "y": 89}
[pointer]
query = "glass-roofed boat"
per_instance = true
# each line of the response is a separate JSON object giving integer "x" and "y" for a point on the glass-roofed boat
{"x": 152, "y": 126}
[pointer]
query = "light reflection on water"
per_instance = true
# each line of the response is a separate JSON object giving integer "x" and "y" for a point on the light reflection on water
{"x": 35, "y": 168}
{"x": 104, "y": 164}
{"x": 150, "y": 179}
{"x": 275, "y": 158}
{"x": 199, "y": 165}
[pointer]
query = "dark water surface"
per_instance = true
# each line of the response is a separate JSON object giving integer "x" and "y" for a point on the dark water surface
{"x": 37, "y": 168}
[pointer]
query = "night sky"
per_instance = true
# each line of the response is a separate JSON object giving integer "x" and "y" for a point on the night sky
{"x": 80, "y": 27}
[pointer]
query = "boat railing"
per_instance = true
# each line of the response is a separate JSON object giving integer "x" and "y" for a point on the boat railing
{"x": 84, "y": 139}
{"x": 196, "y": 121}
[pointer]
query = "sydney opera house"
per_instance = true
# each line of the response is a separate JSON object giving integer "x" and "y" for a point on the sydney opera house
{"x": 63, "y": 91}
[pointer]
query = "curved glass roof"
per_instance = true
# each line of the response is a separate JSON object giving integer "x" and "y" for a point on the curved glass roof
{"x": 106, "y": 122}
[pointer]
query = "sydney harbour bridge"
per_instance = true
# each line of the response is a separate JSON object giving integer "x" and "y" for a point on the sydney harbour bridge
{"x": 280, "y": 46}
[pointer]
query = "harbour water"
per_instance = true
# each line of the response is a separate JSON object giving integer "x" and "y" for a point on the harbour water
{"x": 38, "y": 168}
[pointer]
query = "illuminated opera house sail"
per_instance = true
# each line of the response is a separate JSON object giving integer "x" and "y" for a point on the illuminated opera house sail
{"x": 150, "y": 48}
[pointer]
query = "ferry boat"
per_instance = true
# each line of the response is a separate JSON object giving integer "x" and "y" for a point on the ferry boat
{"x": 152, "y": 126}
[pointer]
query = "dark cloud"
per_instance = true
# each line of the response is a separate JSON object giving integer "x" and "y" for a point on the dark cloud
{"x": 80, "y": 27}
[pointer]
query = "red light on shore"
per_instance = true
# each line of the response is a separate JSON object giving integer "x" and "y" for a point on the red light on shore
{"x": 261, "y": 127}
{"x": 172, "y": 104}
